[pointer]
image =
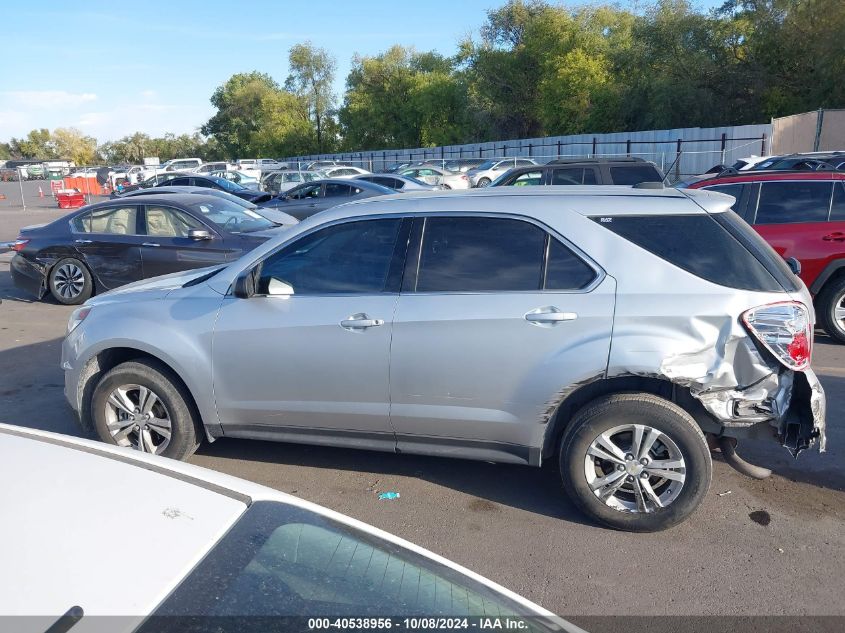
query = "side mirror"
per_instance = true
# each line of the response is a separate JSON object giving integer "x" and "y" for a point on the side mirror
{"x": 279, "y": 288}
{"x": 244, "y": 286}
{"x": 794, "y": 265}
{"x": 199, "y": 234}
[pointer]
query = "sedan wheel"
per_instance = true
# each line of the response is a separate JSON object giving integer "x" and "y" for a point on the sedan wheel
{"x": 70, "y": 282}
{"x": 137, "y": 417}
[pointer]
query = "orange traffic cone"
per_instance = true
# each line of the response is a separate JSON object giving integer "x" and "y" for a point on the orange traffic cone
{"x": 40, "y": 192}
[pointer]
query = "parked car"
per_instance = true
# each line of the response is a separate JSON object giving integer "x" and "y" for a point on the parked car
{"x": 437, "y": 176}
{"x": 207, "y": 168}
{"x": 398, "y": 182}
{"x": 499, "y": 326}
{"x": 277, "y": 182}
{"x": 485, "y": 173}
{"x": 312, "y": 197}
{"x": 319, "y": 165}
{"x": 463, "y": 165}
{"x": 237, "y": 177}
{"x": 590, "y": 171}
{"x": 179, "y": 164}
{"x": 815, "y": 161}
{"x": 106, "y": 245}
{"x": 225, "y": 547}
{"x": 152, "y": 181}
{"x": 274, "y": 215}
{"x": 802, "y": 215}
{"x": 213, "y": 182}
{"x": 396, "y": 167}
{"x": 342, "y": 171}
{"x": 261, "y": 164}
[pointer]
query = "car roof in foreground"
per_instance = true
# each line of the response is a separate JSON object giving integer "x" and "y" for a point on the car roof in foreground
{"x": 588, "y": 200}
{"x": 113, "y": 530}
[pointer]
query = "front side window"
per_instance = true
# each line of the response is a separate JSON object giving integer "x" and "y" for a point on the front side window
{"x": 112, "y": 221}
{"x": 785, "y": 202}
{"x": 168, "y": 222}
{"x": 353, "y": 257}
{"x": 463, "y": 254}
{"x": 302, "y": 193}
{"x": 573, "y": 176}
{"x": 177, "y": 182}
{"x": 731, "y": 190}
{"x": 528, "y": 179}
{"x": 634, "y": 174}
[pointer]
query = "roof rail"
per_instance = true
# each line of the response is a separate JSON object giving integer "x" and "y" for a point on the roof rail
{"x": 606, "y": 159}
{"x": 649, "y": 185}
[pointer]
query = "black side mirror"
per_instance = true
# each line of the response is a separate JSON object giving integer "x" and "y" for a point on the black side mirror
{"x": 794, "y": 265}
{"x": 244, "y": 286}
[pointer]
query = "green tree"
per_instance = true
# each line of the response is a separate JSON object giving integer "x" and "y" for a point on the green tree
{"x": 72, "y": 144}
{"x": 37, "y": 144}
{"x": 311, "y": 77}
{"x": 5, "y": 151}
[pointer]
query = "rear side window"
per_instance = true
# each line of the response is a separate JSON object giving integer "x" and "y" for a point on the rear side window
{"x": 574, "y": 176}
{"x": 565, "y": 270}
{"x": 634, "y": 174}
{"x": 697, "y": 244}
{"x": 480, "y": 255}
{"x": 786, "y": 202}
{"x": 730, "y": 190}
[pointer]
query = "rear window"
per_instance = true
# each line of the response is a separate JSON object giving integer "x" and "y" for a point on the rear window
{"x": 634, "y": 174}
{"x": 705, "y": 247}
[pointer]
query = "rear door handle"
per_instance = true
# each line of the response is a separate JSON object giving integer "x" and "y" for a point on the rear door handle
{"x": 549, "y": 315}
{"x": 836, "y": 236}
{"x": 360, "y": 321}
{"x": 84, "y": 241}
{"x": 150, "y": 244}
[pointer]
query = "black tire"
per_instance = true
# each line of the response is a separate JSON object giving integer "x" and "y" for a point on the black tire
{"x": 70, "y": 281}
{"x": 607, "y": 412}
{"x": 483, "y": 182}
{"x": 831, "y": 296}
{"x": 185, "y": 426}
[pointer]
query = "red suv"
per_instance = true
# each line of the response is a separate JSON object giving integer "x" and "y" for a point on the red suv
{"x": 802, "y": 215}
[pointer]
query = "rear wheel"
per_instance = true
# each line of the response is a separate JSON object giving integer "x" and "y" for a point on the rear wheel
{"x": 483, "y": 182}
{"x": 830, "y": 305}
{"x": 142, "y": 405}
{"x": 70, "y": 281}
{"x": 635, "y": 462}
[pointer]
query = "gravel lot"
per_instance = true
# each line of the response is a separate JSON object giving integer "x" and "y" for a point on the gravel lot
{"x": 773, "y": 547}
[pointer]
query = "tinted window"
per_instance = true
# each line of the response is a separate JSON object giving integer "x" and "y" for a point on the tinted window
{"x": 795, "y": 201}
{"x": 837, "y": 209}
{"x": 712, "y": 254}
{"x": 565, "y": 270}
{"x": 167, "y": 222}
{"x": 312, "y": 191}
{"x": 634, "y": 174}
{"x": 179, "y": 182}
{"x": 278, "y": 560}
{"x": 346, "y": 258}
{"x": 574, "y": 176}
{"x": 731, "y": 190}
{"x": 528, "y": 179}
{"x": 480, "y": 254}
{"x": 334, "y": 190}
{"x": 113, "y": 221}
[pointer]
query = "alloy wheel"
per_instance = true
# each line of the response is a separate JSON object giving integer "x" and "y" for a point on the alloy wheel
{"x": 69, "y": 280}
{"x": 137, "y": 417}
{"x": 839, "y": 312}
{"x": 635, "y": 468}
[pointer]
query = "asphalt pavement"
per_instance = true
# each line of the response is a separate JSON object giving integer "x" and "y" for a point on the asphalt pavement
{"x": 771, "y": 547}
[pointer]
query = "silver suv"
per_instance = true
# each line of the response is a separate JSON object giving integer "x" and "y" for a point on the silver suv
{"x": 613, "y": 329}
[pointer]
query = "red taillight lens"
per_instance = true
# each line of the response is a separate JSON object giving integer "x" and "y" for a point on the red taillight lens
{"x": 785, "y": 330}
{"x": 19, "y": 244}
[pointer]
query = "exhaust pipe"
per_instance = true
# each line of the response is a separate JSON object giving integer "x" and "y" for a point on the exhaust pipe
{"x": 728, "y": 447}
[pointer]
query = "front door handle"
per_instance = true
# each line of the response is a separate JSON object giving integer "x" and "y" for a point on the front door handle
{"x": 83, "y": 241}
{"x": 150, "y": 244}
{"x": 549, "y": 315}
{"x": 360, "y": 321}
{"x": 836, "y": 236}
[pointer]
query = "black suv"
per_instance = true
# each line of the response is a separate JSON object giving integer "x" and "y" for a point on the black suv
{"x": 582, "y": 171}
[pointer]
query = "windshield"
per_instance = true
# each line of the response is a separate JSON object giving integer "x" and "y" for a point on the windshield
{"x": 228, "y": 185}
{"x": 230, "y": 217}
{"x": 280, "y": 560}
{"x": 487, "y": 164}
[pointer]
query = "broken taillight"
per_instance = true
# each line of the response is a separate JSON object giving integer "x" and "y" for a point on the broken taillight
{"x": 19, "y": 244}
{"x": 785, "y": 330}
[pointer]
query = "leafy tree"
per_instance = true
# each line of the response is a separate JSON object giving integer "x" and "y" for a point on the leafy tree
{"x": 71, "y": 144}
{"x": 37, "y": 144}
{"x": 311, "y": 78}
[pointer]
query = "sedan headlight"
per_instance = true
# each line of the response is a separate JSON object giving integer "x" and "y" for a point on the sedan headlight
{"x": 77, "y": 317}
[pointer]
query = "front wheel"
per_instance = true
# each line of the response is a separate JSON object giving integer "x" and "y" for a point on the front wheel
{"x": 483, "y": 182}
{"x": 142, "y": 405}
{"x": 635, "y": 462}
{"x": 830, "y": 305}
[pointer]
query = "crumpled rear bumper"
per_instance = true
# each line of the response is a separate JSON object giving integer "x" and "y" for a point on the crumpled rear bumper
{"x": 28, "y": 276}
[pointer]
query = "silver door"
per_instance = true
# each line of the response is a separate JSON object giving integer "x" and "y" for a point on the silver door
{"x": 307, "y": 358}
{"x": 476, "y": 373}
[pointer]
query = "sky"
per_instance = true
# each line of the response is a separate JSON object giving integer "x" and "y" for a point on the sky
{"x": 113, "y": 68}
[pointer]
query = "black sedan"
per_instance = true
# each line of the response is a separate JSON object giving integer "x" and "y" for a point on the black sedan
{"x": 309, "y": 198}
{"x": 106, "y": 245}
{"x": 215, "y": 182}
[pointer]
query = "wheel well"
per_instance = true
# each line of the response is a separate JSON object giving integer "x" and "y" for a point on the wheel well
{"x": 109, "y": 359}
{"x": 576, "y": 400}
{"x": 836, "y": 276}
